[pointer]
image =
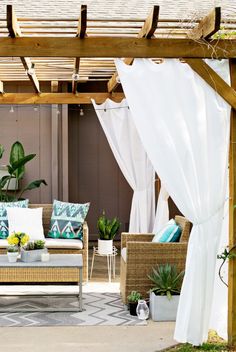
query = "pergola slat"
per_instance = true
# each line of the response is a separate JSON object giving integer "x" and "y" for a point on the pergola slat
{"x": 81, "y": 33}
{"x": 146, "y": 31}
{"x": 15, "y": 31}
{"x": 208, "y": 26}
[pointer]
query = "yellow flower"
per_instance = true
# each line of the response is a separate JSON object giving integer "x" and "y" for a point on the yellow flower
{"x": 12, "y": 240}
{"x": 24, "y": 239}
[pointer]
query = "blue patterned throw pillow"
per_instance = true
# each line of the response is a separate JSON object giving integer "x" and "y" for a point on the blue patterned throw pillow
{"x": 3, "y": 215}
{"x": 67, "y": 220}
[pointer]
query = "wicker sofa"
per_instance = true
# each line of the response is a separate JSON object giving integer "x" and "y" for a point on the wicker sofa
{"x": 60, "y": 246}
{"x": 139, "y": 254}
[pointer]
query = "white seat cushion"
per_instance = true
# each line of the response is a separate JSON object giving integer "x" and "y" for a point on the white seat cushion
{"x": 3, "y": 243}
{"x": 124, "y": 254}
{"x": 63, "y": 243}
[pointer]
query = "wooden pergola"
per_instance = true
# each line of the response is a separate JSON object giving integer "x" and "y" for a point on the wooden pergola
{"x": 84, "y": 51}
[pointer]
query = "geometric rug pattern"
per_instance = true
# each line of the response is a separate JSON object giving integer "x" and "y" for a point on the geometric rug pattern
{"x": 100, "y": 309}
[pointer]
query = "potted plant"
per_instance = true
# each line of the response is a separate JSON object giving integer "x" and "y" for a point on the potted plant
{"x": 33, "y": 251}
{"x": 164, "y": 295}
{"x": 13, "y": 173}
{"x": 12, "y": 253}
{"x": 107, "y": 230}
{"x": 133, "y": 299}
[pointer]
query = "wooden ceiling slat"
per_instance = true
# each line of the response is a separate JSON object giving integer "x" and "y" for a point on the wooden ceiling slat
{"x": 146, "y": 31}
{"x": 81, "y": 33}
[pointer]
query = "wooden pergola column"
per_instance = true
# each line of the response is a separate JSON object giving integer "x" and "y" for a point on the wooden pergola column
{"x": 232, "y": 219}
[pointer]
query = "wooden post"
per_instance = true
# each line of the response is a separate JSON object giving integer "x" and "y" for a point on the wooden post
{"x": 232, "y": 220}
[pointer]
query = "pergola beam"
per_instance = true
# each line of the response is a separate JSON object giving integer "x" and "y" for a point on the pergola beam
{"x": 214, "y": 80}
{"x": 14, "y": 32}
{"x": 81, "y": 33}
{"x": 57, "y": 98}
{"x": 146, "y": 31}
{"x": 98, "y": 47}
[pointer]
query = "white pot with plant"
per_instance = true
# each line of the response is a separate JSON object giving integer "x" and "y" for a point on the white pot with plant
{"x": 164, "y": 295}
{"x": 33, "y": 251}
{"x": 107, "y": 231}
{"x": 12, "y": 253}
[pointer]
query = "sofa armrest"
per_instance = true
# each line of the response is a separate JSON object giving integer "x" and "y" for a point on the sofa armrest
{"x": 85, "y": 234}
{"x": 152, "y": 253}
{"x": 131, "y": 237}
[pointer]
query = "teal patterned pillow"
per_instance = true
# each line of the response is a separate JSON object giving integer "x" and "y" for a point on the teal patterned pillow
{"x": 3, "y": 215}
{"x": 67, "y": 220}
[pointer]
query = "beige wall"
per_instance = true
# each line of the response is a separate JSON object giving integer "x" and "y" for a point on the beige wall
{"x": 94, "y": 174}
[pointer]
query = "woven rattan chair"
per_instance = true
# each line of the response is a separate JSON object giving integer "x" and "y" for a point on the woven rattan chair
{"x": 142, "y": 254}
{"x": 47, "y": 212}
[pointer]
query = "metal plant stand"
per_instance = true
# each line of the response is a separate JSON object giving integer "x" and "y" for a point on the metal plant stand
{"x": 111, "y": 262}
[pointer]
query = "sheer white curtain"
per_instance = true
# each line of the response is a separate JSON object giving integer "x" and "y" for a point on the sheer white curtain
{"x": 162, "y": 211}
{"x": 184, "y": 126}
{"x": 122, "y": 136}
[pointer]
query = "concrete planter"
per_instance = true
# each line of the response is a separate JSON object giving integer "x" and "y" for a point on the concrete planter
{"x": 105, "y": 246}
{"x": 13, "y": 183}
{"x": 33, "y": 255}
{"x": 163, "y": 309}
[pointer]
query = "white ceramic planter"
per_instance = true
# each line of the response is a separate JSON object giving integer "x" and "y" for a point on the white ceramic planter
{"x": 12, "y": 256}
{"x": 163, "y": 309}
{"x": 32, "y": 256}
{"x": 13, "y": 183}
{"x": 105, "y": 246}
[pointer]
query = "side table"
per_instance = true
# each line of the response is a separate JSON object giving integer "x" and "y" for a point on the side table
{"x": 111, "y": 262}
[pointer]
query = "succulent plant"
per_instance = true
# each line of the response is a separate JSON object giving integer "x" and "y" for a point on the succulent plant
{"x": 34, "y": 245}
{"x": 12, "y": 249}
{"x": 166, "y": 280}
{"x": 107, "y": 228}
{"x": 134, "y": 297}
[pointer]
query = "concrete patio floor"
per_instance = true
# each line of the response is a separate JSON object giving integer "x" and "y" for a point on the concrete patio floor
{"x": 151, "y": 338}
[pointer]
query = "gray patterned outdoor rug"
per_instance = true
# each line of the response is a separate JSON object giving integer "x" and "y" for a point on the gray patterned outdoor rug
{"x": 100, "y": 309}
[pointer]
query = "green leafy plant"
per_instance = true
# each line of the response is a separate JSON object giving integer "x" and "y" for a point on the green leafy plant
{"x": 134, "y": 297}
{"x": 226, "y": 254}
{"x": 34, "y": 245}
{"x": 107, "y": 228}
{"x": 12, "y": 249}
{"x": 166, "y": 280}
{"x": 16, "y": 170}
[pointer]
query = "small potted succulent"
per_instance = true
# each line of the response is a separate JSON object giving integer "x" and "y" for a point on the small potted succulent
{"x": 164, "y": 295}
{"x": 107, "y": 230}
{"x": 33, "y": 251}
{"x": 133, "y": 299}
{"x": 12, "y": 253}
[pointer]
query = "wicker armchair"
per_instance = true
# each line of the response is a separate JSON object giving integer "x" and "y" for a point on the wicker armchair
{"x": 47, "y": 212}
{"x": 142, "y": 254}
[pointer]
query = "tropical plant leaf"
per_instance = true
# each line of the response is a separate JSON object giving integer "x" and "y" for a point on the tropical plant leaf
{"x": 4, "y": 180}
{"x": 33, "y": 185}
{"x": 17, "y": 153}
{"x": 1, "y": 150}
{"x": 17, "y": 168}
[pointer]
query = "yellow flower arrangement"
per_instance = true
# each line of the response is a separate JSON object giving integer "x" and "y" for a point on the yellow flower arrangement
{"x": 18, "y": 239}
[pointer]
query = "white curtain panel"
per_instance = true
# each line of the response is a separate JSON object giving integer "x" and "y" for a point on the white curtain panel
{"x": 122, "y": 136}
{"x": 162, "y": 211}
{"x": 184, "y": 126}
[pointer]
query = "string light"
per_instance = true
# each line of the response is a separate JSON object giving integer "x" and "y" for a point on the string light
{"x": 58, "y": 112}
{"x": 11, "y": 109}
{"x": 117, "y": 79}
{"x": 81, "y": 112}
{"x": 35, "y": 108}
{"x": 42, "y": 106}
{"x": 75, "y": 76}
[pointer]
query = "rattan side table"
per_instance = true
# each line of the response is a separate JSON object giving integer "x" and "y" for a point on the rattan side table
{"x": 111, "y": 262}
